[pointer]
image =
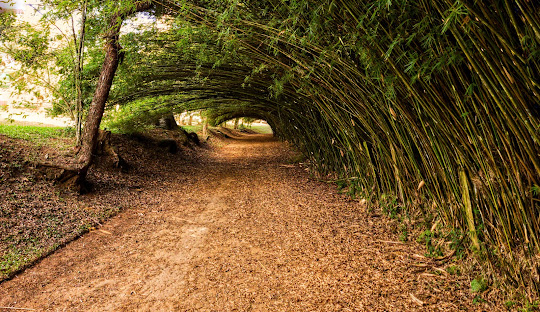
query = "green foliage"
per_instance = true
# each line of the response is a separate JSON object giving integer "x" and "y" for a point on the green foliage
{"x": 478, "y": 285}
{"x": 531, "y": 306}
{"x": 196, "y": 128}
{"x": 456, "y": 238}
{"x": 15, "y": 259}
{"x": 137, "y": 115}
{"x": 26, "y": 44}
{"x": 390, "y": 93}
{"x": 509, "y": 304}
{"x": 390, "y": 206}
{"x": 427, "y": 238}
{"x": 263, "y": 129}
{"x": 535, "y": 189}
{"x": 453, "y": 270}
{"x": 404, "y": 233}
{"x": 6, "y": 21}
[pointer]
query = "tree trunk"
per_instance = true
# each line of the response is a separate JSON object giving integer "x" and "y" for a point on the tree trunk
{"x": 95, "y": 113}
{"x": 205, "y": 129}
{"x": 75, "y": 174}
{"x": 79, "y": 43}
{"x": 167, "y": 122}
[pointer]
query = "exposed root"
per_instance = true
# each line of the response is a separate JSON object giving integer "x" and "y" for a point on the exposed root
{"x": 72, "y": 175}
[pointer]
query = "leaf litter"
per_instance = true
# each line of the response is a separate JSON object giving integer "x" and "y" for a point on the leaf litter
{"x": 232, "y": 229}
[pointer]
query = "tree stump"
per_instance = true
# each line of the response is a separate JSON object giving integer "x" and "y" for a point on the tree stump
{"x": 105, "y": 148}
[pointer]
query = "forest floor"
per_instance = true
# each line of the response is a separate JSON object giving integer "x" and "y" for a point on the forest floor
{"x": 235, "y": 228}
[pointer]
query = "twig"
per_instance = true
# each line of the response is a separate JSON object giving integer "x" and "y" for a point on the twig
{"x": 445, "y": 257}
{"x": 13, "y": 308}
{"x": 389, "y": 242}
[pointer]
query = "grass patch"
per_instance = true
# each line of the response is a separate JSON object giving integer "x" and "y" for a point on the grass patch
{"x": 195, "y": 128}
{"x": 478, "y": 285}
{"x": 263, "y": 129}
{"x": 16, "y": 259}
{"x": 35, "y": 134}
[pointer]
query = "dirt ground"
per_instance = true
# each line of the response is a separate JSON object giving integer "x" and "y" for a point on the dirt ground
{"x": 241, "y": 230}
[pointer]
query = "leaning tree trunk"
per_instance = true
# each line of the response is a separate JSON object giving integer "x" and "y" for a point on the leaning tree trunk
{"x": 74, "y": 176}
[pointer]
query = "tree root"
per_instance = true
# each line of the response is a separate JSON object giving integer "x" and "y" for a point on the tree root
{"x": 72, "y": 175}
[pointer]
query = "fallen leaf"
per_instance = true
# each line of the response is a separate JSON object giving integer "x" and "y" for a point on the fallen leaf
{"x": 416, "y": 300}
{"x": 420, "y": 185}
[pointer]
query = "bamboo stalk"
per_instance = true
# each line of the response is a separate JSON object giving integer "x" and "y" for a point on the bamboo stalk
{"x": 466, "y": 198}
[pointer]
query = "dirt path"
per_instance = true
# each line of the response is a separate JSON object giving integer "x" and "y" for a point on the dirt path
{"x": 243, "y": 232}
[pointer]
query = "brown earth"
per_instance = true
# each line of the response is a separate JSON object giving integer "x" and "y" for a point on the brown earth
{"x": 239, "y": 230}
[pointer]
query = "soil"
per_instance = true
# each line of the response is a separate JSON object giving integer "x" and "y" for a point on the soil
{"x": 240, "y": 229}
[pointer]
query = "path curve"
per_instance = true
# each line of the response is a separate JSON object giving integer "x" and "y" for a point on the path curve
{"x": 245, "y": 231}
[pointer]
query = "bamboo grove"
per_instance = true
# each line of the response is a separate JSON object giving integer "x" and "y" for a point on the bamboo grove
{"x": 433, "y": 103}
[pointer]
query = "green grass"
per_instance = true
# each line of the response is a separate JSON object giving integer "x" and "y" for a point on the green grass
{"x": 36, "y": 134}
{"x": 478, "y": 285}
{"x": 261, "y": 129}
{"x": 15, "y": 259}
{"x": 195, "y": 128}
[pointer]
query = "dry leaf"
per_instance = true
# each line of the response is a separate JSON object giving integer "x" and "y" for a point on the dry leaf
{"x": 420, "y": 185}
{"x": 434, "y": 226}
{"x": 393, "y": 113}
{"x": 416, "y": 300}
{"x": 429, "y": 275}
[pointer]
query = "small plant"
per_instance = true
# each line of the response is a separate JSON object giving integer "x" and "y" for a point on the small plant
{"x": 456, "y": 243}
{"x": 535, "y": 189}
{"x": 68, "y": 132}
{"x": 354, "y": 189}
{"x": 477, "y": 300}
{"x": 426, "y": 238}
{"x": 404, "y": 233}
{"x": 341, "y": 185}
{"x": 478, "y": 284}
{"x": 531, "y": 306}
{"x": 509, "y": 304}
{"x": 390, "y": 206}
{"x": 453, "y": 270}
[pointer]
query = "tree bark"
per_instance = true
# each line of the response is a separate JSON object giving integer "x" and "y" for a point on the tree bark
{"x": 205, "y": 129}
{"x": 167, "y": 122}
{"x": 75, "y": 174}
{"x": 79, "y": 43}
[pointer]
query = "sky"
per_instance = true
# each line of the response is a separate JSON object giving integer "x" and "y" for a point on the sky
{"x": 13, "y": 4}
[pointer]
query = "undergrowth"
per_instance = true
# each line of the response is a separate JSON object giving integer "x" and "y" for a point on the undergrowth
{"x": 413, "y": 222}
